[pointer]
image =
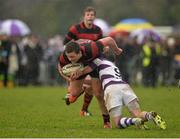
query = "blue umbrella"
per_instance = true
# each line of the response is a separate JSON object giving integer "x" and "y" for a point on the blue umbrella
{"x": 133, "y": 21}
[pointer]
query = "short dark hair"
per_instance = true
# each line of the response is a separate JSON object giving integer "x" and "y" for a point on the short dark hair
{"x": 72, "y": 46}
{"x": 89, "y": 9}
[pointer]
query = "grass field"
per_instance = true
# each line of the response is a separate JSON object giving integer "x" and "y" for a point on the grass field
{"x": 41, "y": 112}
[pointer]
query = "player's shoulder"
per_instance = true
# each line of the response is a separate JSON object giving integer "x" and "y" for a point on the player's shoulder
{"x": 78, "y": 25}
{"x": 73, "y": 27}
{"x": 60, "y": 57}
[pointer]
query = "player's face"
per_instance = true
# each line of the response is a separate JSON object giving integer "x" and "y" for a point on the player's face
{"x": 74, "y": 57}
{"x": 89, "y": 17}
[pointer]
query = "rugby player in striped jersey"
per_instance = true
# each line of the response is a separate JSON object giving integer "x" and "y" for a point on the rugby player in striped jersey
{"x": 118, "y": 93}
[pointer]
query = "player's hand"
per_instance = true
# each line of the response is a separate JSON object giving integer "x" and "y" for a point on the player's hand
{"x": 106, "y": 49}
{"x": 118, "y": 51}
{"x": 75, "y": 75}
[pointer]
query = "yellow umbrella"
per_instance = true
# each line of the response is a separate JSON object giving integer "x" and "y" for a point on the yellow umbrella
{"x": 131, "y": 24}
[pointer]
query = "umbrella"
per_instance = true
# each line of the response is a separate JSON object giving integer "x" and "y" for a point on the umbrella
{"x": 142, "y": 35}
{"x": 131, "y": 24}
{"x": 14, "y": 27}
{"x": 103, "y": 25}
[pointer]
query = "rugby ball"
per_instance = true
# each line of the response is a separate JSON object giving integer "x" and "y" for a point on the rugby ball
{"x": 69, "y": 68}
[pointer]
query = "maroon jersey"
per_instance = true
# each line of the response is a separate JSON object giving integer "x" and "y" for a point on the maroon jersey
{"x": 79, "y": 31}
{"x": 90, "y": 50}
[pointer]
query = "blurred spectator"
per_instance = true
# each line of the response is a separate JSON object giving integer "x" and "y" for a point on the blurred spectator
{"x": 5, "y": 47}
{"x": 177, "y": 59}
{"x": 55, "y": 47}
{"x": 166, "y": 61}
{"x": 22, "y": 62}
{"x": 134, "y": 66}
{"x": 124, "y": 60}
{"x": 13, "y": 63}
{"x": 150, "y": 63}
{"x": 34, "y": 53}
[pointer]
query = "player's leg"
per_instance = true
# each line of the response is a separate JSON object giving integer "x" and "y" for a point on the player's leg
{"x": 131, "y": 101}
{"x": 114, "y": 103}
{"x": 98, "y": 93}
{"x": 74, "y": 91}
{"x": 135, "y": 110}
{"x": 109, "y": 42}
{"x": 88, "y": 96}
{"x": 123, "y": 122}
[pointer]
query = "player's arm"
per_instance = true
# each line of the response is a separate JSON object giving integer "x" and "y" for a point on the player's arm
{"x": 61, "y": 73}
{"x": 69, "y": 98}
{"x": 78, "y": 73}
{"x": 62, "y": 61}
{"x": 110, "y": 42}
{"x": 87, "y": 69}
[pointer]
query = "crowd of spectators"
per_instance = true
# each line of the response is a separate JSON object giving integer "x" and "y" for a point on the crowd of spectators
{"x": 32, "y": 60}
{"x": 151, "y": 63}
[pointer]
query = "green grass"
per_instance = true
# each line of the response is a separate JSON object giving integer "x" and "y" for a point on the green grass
{"x": 41, "y": 112}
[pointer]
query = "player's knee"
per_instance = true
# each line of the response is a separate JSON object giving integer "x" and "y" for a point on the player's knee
{"x": 75, "y": 91}
{"x": 134, "y": 108}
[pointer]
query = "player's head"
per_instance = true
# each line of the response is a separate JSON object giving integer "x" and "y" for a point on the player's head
{"x": 73, "y": 51}
{"x": 90, "y": 9}
{"x": 89, "y": 15}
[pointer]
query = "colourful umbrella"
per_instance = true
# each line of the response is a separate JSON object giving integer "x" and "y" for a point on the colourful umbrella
{"x": 14, "y": 27}
{"x": 142, "y": 35}
{"x": 131, "y": 24}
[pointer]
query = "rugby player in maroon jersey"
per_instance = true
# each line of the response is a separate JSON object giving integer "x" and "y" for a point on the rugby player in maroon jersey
{"x": 86, "y": 52}
{"x": 86, "y": 30}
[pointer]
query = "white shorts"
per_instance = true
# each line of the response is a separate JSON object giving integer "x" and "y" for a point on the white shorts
{"x": 118, "y": 95}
